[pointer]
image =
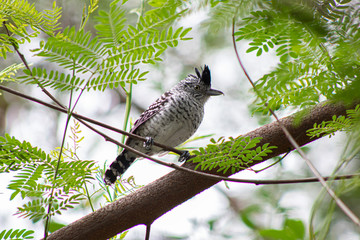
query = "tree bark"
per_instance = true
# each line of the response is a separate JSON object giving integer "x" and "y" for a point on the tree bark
{"x": 155, "y": 199}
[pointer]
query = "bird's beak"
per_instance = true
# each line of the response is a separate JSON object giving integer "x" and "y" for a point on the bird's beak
{"x": 214, "y": 92}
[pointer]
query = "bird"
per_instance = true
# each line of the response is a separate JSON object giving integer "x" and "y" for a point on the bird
{"x": 170, "y": 120}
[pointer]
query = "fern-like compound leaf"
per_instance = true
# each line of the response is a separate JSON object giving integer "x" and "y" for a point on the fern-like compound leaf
{"x": 233, "y": 154}
{"x": 16, "y": 234}
{"x": 18, "y": 15}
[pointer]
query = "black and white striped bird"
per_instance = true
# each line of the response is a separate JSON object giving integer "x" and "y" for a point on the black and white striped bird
{"x": 170, "y": 120}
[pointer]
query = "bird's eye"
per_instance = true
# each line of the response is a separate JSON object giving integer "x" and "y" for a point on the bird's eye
{"x": 197, "y": 87}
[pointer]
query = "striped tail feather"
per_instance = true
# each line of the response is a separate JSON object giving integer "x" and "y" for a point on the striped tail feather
{"x": 118, "y": 167}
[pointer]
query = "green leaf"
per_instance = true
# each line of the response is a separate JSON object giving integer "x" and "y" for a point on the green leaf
{"x": 75, "y": 50}
{"x": 18, "y": 15}
{"x": 296, "y": 226}
{"x": 259, "y": 51}
{"x": 8, "y": 74}
{"x": 184, "y": 33}
{"x": 274, "y": 234}
{"x": 14, "y": 155}
{"x": 110, "y": 26}
{"x": 16, "y": 234}
{"x": 251, "y": 49}
{"x": 234, "y": 154}
{"x": 245, "y": 215}
{"x": 54, "y": 79}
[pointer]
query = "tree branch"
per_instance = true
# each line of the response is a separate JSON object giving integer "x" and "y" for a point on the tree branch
{"x": 155, "y": 199}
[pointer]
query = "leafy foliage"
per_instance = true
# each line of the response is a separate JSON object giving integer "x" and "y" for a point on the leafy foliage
{"x": 111, "y": 26}
{"x": 37, "y": 209}
{"x": 16, "y": 234}
{"x": 222, "y": 13}
{"x": 234, "y": 154}
{"x": 35, "y": 176}
{"x": 328, "y": 207}
{"x": 292, "y": 229}
{"x": 312, "y": 59}
{"x": 112, "y": 57}
{"x": 7, "y": 74}
{"x": 121, "y": 188}
{"x": 338, "y": 123}
{"x": 14, "y": 155}
{"x": 24, "y": 22}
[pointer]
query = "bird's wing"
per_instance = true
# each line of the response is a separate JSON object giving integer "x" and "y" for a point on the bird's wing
{"x": 152, "y": 110}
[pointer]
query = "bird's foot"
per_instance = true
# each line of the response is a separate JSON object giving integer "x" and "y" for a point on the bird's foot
{"x": 184, "y": 156}
{"x": 148, "y": 143}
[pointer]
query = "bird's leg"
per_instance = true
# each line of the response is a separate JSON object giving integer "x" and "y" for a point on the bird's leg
{"x": 148, "y": 143}
{"x": 184, "y": 156}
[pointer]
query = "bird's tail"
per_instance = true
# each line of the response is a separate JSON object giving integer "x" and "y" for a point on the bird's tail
{"x": 118, "y": 167}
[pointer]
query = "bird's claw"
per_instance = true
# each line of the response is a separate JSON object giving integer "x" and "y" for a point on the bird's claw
{"x": 184, "y": 156}
{"x": 148, "y": 143}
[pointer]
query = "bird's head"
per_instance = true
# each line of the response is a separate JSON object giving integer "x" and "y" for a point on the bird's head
{"x": 199, "y": 85}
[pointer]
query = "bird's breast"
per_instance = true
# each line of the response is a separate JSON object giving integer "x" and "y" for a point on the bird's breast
{"x": 175, "y": 123}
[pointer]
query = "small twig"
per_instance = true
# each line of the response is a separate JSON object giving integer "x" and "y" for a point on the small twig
{"x": 338, "y": 201}
{"x": 28, "y": 68}
{"x": 302, "y": 180}
{"x": 148, "y": 228}
{"x": 88, "y": 196}
{"x": 274, "y": 163}
{"x": 47, "y": 222}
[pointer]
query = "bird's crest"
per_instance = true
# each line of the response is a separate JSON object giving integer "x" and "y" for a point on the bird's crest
{"x": 205, "y": 75}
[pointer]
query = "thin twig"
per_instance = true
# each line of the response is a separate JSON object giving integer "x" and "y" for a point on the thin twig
{"x": 28, "y": 68}
{"x": 148, "y": 228}
{"x": 48, "y": 216}
{"x": 338, "y": 201}
{"x": 302, "y": 180}
{"x": 274, "y": 163}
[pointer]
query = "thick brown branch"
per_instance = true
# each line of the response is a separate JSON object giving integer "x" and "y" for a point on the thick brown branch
{"x": 155, "y": 199}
